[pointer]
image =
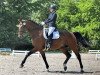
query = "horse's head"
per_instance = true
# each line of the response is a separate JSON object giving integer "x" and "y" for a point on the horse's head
{"x": 29, "y": 25}
{"x": 21, "y": 27}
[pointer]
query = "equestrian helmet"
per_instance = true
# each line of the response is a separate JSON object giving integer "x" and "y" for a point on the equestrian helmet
{"x": 53, "y": 6}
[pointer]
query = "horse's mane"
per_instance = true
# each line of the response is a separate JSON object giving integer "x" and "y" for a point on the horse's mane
{"x": 35, "y": 23}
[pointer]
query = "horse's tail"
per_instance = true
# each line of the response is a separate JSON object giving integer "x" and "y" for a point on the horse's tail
{"x": 81, "y": 39}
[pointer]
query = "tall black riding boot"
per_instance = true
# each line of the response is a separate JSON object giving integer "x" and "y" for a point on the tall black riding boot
{"x": 49, "y": 41}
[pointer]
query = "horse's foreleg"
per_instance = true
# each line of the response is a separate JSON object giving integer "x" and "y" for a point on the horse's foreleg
{"x": 44, "y": 58}
{"x": 24, "y": 60}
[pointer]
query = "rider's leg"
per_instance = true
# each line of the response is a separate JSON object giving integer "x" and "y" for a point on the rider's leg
{"x": 50, "y": 35}
{"x": 50, "y": 38}
{"x": 51, "y": 29}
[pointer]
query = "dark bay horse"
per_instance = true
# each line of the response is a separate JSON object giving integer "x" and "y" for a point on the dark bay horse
{"x": 67, "y": 39}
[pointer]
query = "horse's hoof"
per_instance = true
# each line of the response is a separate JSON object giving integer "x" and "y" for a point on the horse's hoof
{"x": 82, "y": 71}
{"x": 47, "y": 70}
{"x": 65, "y": 68}
{"x": 21, "y": 66}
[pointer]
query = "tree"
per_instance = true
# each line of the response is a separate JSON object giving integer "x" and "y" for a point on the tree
{"x": 82, "y": 16}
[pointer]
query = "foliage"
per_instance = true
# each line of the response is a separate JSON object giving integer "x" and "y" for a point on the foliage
{"x": 82, "y": 16}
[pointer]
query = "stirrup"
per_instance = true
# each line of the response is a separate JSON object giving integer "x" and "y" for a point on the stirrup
{"x": 48, "y": 45}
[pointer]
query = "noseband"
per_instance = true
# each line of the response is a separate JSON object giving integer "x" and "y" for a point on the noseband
{"x": 23, "y": 24}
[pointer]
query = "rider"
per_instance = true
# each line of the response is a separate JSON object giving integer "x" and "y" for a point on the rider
{"x": 51, "y": 22}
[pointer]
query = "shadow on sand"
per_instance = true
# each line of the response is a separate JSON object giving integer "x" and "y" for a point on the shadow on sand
{"x": 71, "y": 72}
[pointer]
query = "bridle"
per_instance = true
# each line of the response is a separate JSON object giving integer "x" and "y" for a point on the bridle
{"x": 21, "y": 31}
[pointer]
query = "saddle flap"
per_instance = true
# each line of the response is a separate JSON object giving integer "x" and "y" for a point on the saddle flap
{"x": 55, "y": 33}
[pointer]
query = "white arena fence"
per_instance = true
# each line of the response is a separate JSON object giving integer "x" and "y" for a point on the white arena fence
{"x": 21, "y": 52}
{"x": 96, "y": 52}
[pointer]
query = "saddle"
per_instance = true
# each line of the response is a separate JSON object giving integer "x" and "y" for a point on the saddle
{"x": 56, "y": 34}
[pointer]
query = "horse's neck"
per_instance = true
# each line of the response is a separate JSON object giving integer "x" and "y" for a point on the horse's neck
{"x": 35, "y": 31}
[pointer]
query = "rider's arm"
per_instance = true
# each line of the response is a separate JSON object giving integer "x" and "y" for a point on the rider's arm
{"x": 51, "y": 18}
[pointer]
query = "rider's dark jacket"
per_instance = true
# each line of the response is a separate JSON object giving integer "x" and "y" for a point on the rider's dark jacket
{"x": 51, "y": 21}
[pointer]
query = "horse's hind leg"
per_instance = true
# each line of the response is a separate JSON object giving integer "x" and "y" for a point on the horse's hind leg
{"x": 24, "y": 60}
{"x": 72, "y": 43}
{"x": 75, "y": 49}
{"x": 68, "y": 55}
{"x": 79, "y": 59}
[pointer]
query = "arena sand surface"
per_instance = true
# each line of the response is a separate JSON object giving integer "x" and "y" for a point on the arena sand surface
{"x": 9, "y": 65}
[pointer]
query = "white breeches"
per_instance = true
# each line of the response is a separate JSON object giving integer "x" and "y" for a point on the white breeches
{"x": 51, "y": 29}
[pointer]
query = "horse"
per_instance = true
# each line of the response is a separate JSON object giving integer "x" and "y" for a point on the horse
{"x": 66, "y": 39}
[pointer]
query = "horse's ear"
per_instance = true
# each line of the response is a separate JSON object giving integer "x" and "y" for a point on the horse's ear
{"x": 20, "y": 19}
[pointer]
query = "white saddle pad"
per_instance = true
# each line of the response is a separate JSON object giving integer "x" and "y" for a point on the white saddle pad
{"x": 55, "y": 34}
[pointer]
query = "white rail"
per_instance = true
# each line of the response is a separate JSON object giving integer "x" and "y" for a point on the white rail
{"x": 20, "y": 52}
{"x": 97, "y": 52}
